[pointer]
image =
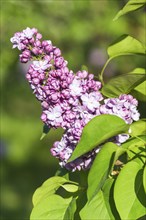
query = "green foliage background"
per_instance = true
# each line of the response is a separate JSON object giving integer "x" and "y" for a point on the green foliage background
{"x": 82, "y": 30}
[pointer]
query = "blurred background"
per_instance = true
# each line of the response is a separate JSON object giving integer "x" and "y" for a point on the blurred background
{"x": 82, "y": 30}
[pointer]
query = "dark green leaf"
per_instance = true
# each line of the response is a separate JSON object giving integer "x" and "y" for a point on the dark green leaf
{"x": 107, "y": 190}
{"x": 126, "y": 45}
{"x": 63, "y": 173}
{"x": 102, "y": 166}
{"x": 46, "y": 130}
{"x": 128, "y": 188}
{"x": 69, "y": 214}
{"x": 131, "y": 5}
{"x": 123, "y": 84}
{"x": 144, "y": 178}
{"x": 97, "y": 131}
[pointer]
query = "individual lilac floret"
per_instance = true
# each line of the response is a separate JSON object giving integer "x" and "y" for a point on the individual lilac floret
{"x": 28, "y": 32}
{"x": 75, "y": 88}
{"x": 41, "y": 65}
{"x": 54, "y": 116}
{"x": 91, "y": 100}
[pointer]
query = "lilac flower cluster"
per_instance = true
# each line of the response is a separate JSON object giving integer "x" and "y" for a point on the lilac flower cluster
{"x": 68, "y": 100}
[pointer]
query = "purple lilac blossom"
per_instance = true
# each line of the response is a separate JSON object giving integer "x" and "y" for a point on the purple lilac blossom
{"x": 68, "y": 100}
{"x": 125, "y": 106}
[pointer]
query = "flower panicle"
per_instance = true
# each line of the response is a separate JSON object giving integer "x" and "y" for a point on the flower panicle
{"x": 68, "y": 100}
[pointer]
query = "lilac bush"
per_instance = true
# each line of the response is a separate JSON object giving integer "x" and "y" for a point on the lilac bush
{"x": 69, "y": 100}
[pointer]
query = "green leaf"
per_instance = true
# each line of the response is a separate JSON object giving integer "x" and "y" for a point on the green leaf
{"x": 97, "y": 131}
{"x": 96, "y": 209}
{"x": 139, "y": 92}
{"x": 53, "y": 207}
{"x": 123, "y": 84}
{"x": 102, "y": 166}
{"x": 144, "y": 178}
{"x": 136, "y": 149}
{"x": 138, "y": 128}
{"x": 48, "y": 188}
{"x": 62, "y": 172}
{"x": 125, "y": 45}
{"x": 131, "y": 5}
{"x": 138, "y": 154}
{"x": 69, "y": 214}
{"x": 46, "y": 130}
{"x": 134, "y": 142}
{"x": 70, "y": 187}
{"x": 107, "y": 190}
{"x": 128, "y": 190}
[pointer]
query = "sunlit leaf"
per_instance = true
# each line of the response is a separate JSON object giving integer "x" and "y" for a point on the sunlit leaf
{"x": 131, "y": 5}
{"x": 53, "y": 207}
{"x": 96, "y": 209}
{"x": 128, "y": 192}
{"x": 126, "y": 45}
{"x": 48, "y": 188}
{"x": 134, "y": 142}
{"x": 124, "y": 84}
{"x": 139, "y": 92}
{"x": 138, "y": 154}
{"x": 138, "y": 128}
{"x": 70, "y": 187}
{"x": 136, "y": 149}
{"x": 97, "y": 131}
{"x": 102, "y": 166}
